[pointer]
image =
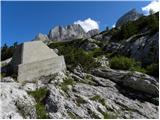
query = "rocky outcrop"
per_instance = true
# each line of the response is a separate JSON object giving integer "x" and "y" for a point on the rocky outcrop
{"x": 94, "y": 97}
{"x": 41, "y": 37}
{"x": 93, "y": 32}
{"x": 89, "y": 44}
{"x": 142, "y": 47}
{"x": 15, "y": 102}
{"x": 69, "y": 32}
{"x": 134, "y": 80}
{"x": 132, "y": 15}
{"x": 84, "y": 96}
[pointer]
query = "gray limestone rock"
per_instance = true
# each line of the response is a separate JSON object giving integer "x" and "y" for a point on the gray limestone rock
{"x": 69, "y": 32}
{"x": 15, "y": 102}
{"x": 93, "y": 32}
{"x": 41, "y": 37}
{"x": 135, "y": 80}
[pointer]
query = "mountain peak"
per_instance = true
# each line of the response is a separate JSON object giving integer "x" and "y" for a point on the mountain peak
{"x": 68, "y": 32}
{"x": 131, "y": 15}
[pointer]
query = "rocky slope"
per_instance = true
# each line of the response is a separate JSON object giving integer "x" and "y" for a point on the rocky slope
{"x": 81, "y": 95}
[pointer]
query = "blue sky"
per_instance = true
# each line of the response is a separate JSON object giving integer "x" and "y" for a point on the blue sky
{"x": 21, "y": 21}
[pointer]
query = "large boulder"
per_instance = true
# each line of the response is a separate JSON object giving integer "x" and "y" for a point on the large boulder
{"x": 134, "y": 80}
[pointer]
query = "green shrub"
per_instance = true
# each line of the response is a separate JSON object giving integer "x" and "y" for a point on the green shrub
{"x": 7, "y": 52}
{"x": 153, "y": 69}
{"x": 139, "y": 69}
{"x": 39, "y": 94}
{"x": 128, "y": 30}
{"x": 74, "y": 55}
{"x": 121, "y": 62}
{"x": 41, "y": 111}
{"x": 108, "y": 115}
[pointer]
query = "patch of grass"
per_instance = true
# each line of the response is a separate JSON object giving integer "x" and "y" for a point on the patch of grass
{"x": 139, "y": 69}
{"x": 39, "y": 96}
{"x": 41, "y": 111}
{"x": 98, "y": 99}
{"x": 122, "y": 62}
{"x": 66, "y": 82}
{"x": 80, "y": 101}
{"x": 108, "y": 115}
{"x": 153, "y": 69}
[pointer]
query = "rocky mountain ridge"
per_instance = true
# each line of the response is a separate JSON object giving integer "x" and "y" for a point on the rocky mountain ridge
{"x": 65, "y": 33}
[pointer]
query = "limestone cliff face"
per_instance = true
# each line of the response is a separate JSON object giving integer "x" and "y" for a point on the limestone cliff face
{"x": 41, "y": 37}
{"x": 69, "y": 32}
{"x": 132, "y": 15}
{"x": 93, "y": 32}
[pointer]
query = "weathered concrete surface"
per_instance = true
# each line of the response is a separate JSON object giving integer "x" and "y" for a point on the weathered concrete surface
{"x": 31, "y": 71}
{"x": 32, "y": 60}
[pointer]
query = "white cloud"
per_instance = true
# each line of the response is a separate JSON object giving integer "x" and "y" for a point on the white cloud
{"x": 153, "y": 5}
{"x": 114, "y": 25}
{"x": 88, "y": 24}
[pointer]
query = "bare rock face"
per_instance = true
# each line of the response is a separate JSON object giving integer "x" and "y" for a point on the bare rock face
{"x": 95, "y": 97}
{"x": 141, "y": 47}
{"x": 15, "y": 102}
{"x": 41, "y": 37}
{"x": 93, "y": 32}
{"x": 134, "y": 80}
{"x": 69, "y": 32}
{"x": 132, "y": 15}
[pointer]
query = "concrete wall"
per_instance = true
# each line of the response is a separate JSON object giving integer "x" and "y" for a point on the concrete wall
{"x": 36, "y": 51}
{"x": 32, "y": 71}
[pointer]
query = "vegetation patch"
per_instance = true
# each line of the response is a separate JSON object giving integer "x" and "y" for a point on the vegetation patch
{"x": 108, "y": 115}
{"x": 74, "y": 55}
{"x": 7, "y": 52}
{"x": 153, "y": 69}
{"x": 98, "y": 99}
{"x": 121, "y": 62}
{"x": 130, "y": 28}
{"x": 39, "y": 96}
{"x": 41, "y": 111}
{"x": 66, "y": 82}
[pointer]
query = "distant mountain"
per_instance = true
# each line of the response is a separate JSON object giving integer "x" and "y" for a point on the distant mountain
{"x": 68, "y": 32}
{"x": 41, "y": 36}
{"x": 132, "y": 15}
